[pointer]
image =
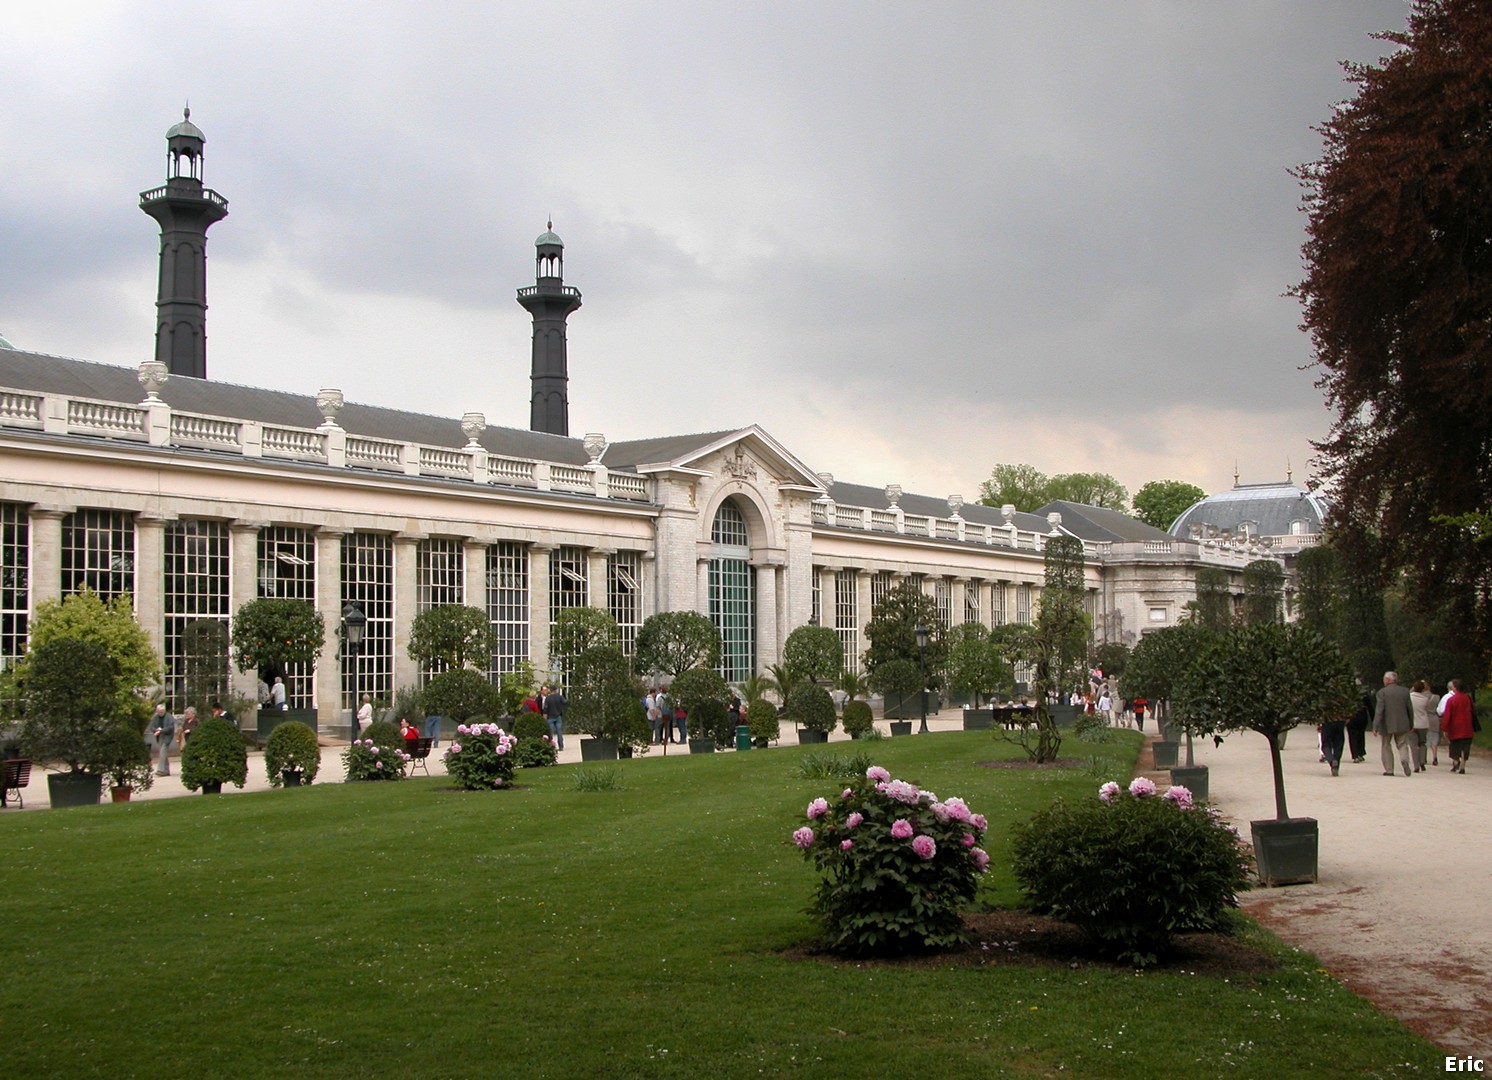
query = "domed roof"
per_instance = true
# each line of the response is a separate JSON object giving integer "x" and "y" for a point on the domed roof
{"x": 1258, "y": 509}
{"x": 186, "y": 129}
{"x": 549, "y": 238}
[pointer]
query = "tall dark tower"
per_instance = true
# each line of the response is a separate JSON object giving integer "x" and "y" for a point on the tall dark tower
{"x": 550, "y": 302}
{"x": 184, "y": 209}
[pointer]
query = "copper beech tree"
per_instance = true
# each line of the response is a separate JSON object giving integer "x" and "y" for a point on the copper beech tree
{"x": 1397, "y": 298}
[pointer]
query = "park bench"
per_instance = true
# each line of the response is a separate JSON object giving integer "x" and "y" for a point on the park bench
{"x": 15, "y": 775}
{"x": 418, "y": 751}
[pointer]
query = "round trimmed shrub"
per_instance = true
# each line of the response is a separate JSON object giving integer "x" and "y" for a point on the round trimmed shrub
{"x": 858, "y": 720}
{"x": 536, "y": 747}
{"x": 761, "y": 718}
{"x": 899, "y": 677}
{"x": 460, "y": 694}
{"x": 702, "y": 693}
{"x": 811, "y": 707}
{"x": 292, "y": 746}
{"x": 1131, "y": 869}
{"x": 215, "y": 754}
{"x": 529, "y": 725}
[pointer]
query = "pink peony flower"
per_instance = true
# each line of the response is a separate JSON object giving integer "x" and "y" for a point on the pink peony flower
{"x": 924, "y": 847}
{"x": 901, "y": 828}
{"x": 875, "y": 772}
{"x": 847, "y": 793}
{"x": 455, "y": 748}
{"x": 853, "y": 821}
{"x": 1181, "y": 796}
{"x": 969, "y": 840}
{"x": 463, "y": 729}
{"x": 845, "y": 845}
{"x": 1140, "y": 787}
{"x": 957, "y": 809}
{"x": 1108, "y": 792}
{"x": 497, "y": 782}
{"x": 803, "y": 837}
{"x": 374, "y": 750}
{"x": 817, "y": 809}
{"x": 979, "y": 821}
{"x": 903, "y": 792}
{"x": 981, "y": 860}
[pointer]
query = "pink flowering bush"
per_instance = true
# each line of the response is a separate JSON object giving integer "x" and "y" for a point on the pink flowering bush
{"x": 378, "y": 755}
{"x": 899, "y": 866}
{"x": 1131, "y": 868}
{"x": 481, "y": 756}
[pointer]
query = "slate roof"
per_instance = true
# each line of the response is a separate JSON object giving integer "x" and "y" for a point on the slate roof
{"x": 1269, "y": 507}
{"x": 1100, "y": 523}
{"x": 978, "y": 513}
{"x": 40, "y": 373}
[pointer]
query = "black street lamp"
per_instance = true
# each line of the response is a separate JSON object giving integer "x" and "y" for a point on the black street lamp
{"x": 353, "y": 622}
{"x": 922, "y": 633}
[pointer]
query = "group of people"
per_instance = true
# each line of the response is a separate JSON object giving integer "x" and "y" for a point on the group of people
{"x": 1410, "y": 724}
{"x": 165, "y": 729}
{"x": 549, "y": 703}
{"x": 664, "y": 716}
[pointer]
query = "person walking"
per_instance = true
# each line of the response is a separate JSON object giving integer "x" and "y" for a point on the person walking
{"x": 1426, "y": 725}
{"x": 1333, "y": 741}
{"x": 277, "y": 694}
{"x": 655, "y": 716}
{"x": 665, "y": 712}
{"x": 1357, "y": 728}
{"x": 1393, "y": 723}
{"x": 1458, "y": 724}
{"x": 189, "y": 722}
{"x": 554, "y": 712}
{"x": 163, "y": 730}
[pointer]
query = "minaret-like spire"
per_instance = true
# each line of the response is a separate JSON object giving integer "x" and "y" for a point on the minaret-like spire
{"x": 185, "y": 210}
{"x": 550, "y": 302}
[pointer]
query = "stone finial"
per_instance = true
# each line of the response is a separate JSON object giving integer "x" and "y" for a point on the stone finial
{"x": 1008, "y": 513}
{"x": 595, "y": 445}
{"x": 1054, "y": 519}
{"x": 893, "y": 495}
{"x": 472, "y": 426}
{"x": 955, "y": 503}
{"x": 330, "y": 401}
{"x": 153, "y": 375}
{"x": 826, "y": 478}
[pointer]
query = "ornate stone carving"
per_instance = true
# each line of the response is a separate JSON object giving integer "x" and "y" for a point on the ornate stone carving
{"x": 893, "y": 495}
{"x": 1008, "y": 513}
{"x": 472, "y": 426}
{"x": 955, "y": 503}
{"x": 153, "y": 375}
{"x": 330, "y": 401}
{"x": 740, "y": 467}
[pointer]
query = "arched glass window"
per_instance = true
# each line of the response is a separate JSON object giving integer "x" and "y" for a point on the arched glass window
{"x": 733, "y": 592}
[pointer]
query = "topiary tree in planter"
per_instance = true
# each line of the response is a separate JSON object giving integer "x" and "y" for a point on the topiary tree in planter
{"x": 605, "y": 698}
{"x": 70, "y": 695}
{"x": 703, "y": 695}
{"x": 811, "y": 708}
{"x": 977, "y": 668}
{"x": 125, "y": 761}
{"x": 815, "y": 652}
{"x": 858, "y": 720}
{"x": 896, "y": 678}
{"x": 892, "y": 629}
{"x": 215, "y": 755}
{"x": 1269, "y": 679}
{"x": 577, "y": 630}
{"x": 450, "y": 636}
{"x": 271, "y": 633}
{"x": 292, "y": 748}
{"x": 1154, "y": 666}
{"x": 761, "y": 718}
{"x": 672, "y": 642}
{"x": 460, "y": 694}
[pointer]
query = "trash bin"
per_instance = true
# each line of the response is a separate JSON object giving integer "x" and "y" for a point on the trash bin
{"x": 743, "y": 737}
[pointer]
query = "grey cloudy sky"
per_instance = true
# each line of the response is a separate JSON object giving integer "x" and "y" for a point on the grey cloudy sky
{"x": 908, "y": 239}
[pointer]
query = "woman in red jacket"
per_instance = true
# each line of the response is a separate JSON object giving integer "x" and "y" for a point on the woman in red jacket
{"x": 1457, "y": 726}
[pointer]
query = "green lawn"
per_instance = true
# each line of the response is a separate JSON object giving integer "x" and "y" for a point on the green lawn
{"x": 412, "y": 930}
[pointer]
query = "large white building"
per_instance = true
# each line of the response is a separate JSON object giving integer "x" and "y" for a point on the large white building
{"x": 194, "y": 496}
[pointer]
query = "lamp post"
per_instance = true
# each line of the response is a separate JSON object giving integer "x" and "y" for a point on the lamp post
{"x": 353, "y": 622}
{"x": 922, "y": 633}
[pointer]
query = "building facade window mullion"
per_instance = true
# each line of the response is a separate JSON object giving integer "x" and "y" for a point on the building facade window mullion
{"x": 98, "y": 553}
{"x": 368, "y": 582}
{"x": 732, "y": 585}
{"x": 624, "y": 595}
{"x": 440, "y": 576}
{"x": 287, "y": 571}
{"x": 508, "y": 605}
{"x": 195, "y": 605}
{"x": 847, "y": 618}
{"x": 15, "y": 582}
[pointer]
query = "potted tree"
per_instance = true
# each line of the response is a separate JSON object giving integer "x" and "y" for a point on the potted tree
{"x": 810, "y": 707}
{"x": 292, "y": 756}
{"x": 703, "y": 695}
{"x": 70, "y": 696}
{"x": 761, "y": 718}
{"x": 892, "y": 633}
{"x": 215, "y": 755}
{"x": 1268, "y": 679}
{"x": 857, "y": 719}
{"x": 814, "y": 652}
{"x": 672, "y": 642}
{"x": 976, "y": 668}
{"x": 1151, "y": 671}
{"x": 898, "y": 681}
{"x": 271, "y": 634}
{"x": 126, "y": 762}
{"x": 604, "y": 703}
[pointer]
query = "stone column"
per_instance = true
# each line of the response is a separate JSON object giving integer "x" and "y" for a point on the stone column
{"x": 647, "y": 584}
{"x": 150, "y": 577}
{"x": 330, "y": 712}
{"x": 406, "y": 605}
{"x": 702, "y": 586}
{"x": 862, "y": 611}
{"x": 538, "y": 607}
{"x": 769, "y": 630}
{"x": 595, "y": 579}
{"x": 243, "y": 586}
{"x": 46, "y": 554}
{"x": 958, "y": 601}
{"x": 474, "y": 574}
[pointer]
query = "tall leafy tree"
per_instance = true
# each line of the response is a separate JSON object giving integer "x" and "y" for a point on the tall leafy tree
{"x": 577, "y": 629}
{"x": 451, "y": 636}
{"x": 1022, "y": 486}
{"x": 1161, "y": 502}
{"x": 1263, "y": 592}
{"x": 1397, "y": 298}
{"x": 892, "y": 629}
{"x": 1214, "y": 603}
{"x": 814, "y": 651}
{"x": 672, "y": 642}
{"x": 1318, "y": 590}
{"x": 1095, "y": 489}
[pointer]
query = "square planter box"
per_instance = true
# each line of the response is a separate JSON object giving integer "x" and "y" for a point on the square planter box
{"x": 1286, "y": 851}
{"x": 1165, "y": 753}
{"x": 74, "y": 789}
{"x": 1194, "y": 779}
{"x": 901, "y": 727}
{"x": 909, "y": 707}
{"x": 978, "y": 719}
{"x": 806, "y": 736}
{"x": 701, "y": 746}
{"x": 269, "y": 719}
{"x": 598, "y": 750}
{"x": 1064, "y": 716}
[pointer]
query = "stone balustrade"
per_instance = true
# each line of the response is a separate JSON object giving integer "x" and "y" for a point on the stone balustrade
{"x": 156, "y": 423}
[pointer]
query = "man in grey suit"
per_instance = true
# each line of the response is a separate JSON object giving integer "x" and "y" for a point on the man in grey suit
{"x": 1393, "y": 723}
{"x": 163, "y": 730}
